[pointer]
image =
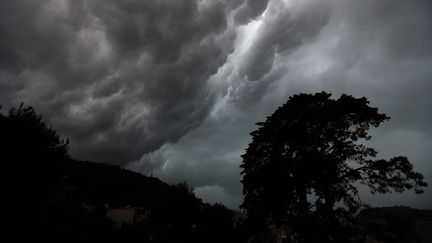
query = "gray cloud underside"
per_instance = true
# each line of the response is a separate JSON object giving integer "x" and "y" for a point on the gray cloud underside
{"x": 173, "y": 88}
{"x": 120, "y": 78}
{"x": 377, "y": 50}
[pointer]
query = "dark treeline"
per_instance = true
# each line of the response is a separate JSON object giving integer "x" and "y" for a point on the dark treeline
{"x": 51, "y": 197}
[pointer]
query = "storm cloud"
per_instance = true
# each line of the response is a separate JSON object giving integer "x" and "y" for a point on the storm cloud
{"x": 173, "y": 88}
{"x": 119, "y": 78}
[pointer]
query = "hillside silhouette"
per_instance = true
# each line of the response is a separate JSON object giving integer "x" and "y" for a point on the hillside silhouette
{"x": 49, "y": 196}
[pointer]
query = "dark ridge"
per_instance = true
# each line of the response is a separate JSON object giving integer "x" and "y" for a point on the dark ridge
{"x": 47, "y": 196}
{"x": 399, "y": 224}
{"x": 88, "y": 182}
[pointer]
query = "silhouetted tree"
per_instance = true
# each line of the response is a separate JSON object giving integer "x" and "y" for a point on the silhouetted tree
{"x": 25, "y": 136}
{"x": 28, "y": 148}
{"x": 305, "y": 161}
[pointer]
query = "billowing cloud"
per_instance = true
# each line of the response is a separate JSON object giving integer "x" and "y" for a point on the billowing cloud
{"x": 250, "y": 10}
{"x": 173, "y": 88}
{"x": 120, "y": 78}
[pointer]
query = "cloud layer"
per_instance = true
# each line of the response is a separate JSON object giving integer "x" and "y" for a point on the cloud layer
{"x": 120, "y": 78}
{"x": 173, "y": 88}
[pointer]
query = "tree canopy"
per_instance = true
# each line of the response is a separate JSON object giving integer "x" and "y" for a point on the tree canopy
{"x": 306, "y": 160}
{"x": 25, "y": 136}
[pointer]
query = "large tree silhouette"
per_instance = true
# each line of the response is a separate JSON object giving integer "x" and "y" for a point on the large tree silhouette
{"x": 306, "y": 160}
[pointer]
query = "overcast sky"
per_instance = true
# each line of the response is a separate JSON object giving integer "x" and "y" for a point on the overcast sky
{"x": 174, "y": 87}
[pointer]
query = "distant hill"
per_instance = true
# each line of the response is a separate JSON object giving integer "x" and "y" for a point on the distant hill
{"x": 400, "y": 212}
{"x": 93, "y": 183}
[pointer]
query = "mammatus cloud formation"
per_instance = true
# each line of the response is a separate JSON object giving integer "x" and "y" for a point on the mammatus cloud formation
{"x": 173, "y": 88}
{"x": 120, "y": 78}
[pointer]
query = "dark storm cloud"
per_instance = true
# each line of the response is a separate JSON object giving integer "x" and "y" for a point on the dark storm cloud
{"x": 120, "y": 78}
{"x": 249, "y": 10}
{"x": 283, "y": 28}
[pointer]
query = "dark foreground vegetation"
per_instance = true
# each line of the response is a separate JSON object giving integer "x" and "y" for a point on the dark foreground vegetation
{"x": 51, "y": 197}
{"x": 298, "y": 186}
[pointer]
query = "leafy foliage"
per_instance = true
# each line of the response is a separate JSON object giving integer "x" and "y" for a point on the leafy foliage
{"x": 306, "y": 159}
